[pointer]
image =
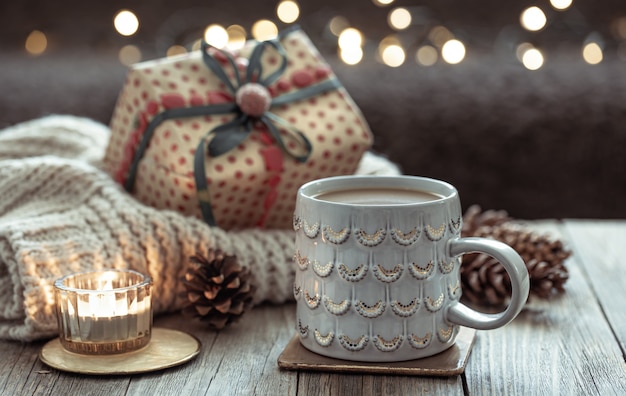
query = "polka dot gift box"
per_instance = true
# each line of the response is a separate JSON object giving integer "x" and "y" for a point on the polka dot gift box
{"x": 230, "y": 136}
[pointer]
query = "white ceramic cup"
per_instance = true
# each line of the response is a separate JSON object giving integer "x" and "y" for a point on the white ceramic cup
{"x": 380, "y": 282}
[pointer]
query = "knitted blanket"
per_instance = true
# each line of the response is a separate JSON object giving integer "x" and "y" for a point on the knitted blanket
{"x": 60, "y": 213}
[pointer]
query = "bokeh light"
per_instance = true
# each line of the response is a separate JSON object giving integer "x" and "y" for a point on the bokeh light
{"x": 561, "y": 4}
{"x": 196, "y": 45}
{"x": 382, "y": 3}
{"x": 399, "y": 18}
{"x": 338, "y": 24}
{"x": 129, "y": 55}
{"x": 533, "y": 19}
{"x": 351, "y": 55}
{"x": 216, "y": 35}
{"x": 592, "y": 53}
{"x": 350, "y": 37}
{"x": 532, "y": 59}
{"x": 453, "y": 51}
{"x": 236, "y": 36}
{"x": 175, "y": 50}
{"x": 521, "y": 50}
{"x": 350, "y": 41}
{"x": 288, "y": 11}
{"x": 618, "y": 28}
{"x": 439, "y": 35}
{"x": 393, "y": 55}
{"x": 426, "y": 55}
{"x": 126, "y": 23}
{"x": 36, "y": 42}
{"x": 264, "y": 29}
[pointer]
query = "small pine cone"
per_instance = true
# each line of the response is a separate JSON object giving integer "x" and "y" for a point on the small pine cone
{"x": 219, "y": 290}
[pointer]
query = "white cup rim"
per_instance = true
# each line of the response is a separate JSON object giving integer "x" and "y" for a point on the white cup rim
{"x": 336, "y": 183}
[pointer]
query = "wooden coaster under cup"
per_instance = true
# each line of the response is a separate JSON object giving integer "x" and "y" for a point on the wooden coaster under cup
{"x": 447, "y": 363}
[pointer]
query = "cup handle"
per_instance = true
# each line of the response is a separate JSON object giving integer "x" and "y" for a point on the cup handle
{"x": 513, "y": 264}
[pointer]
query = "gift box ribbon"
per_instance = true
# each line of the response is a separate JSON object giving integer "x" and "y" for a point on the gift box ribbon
{"x": 230, "y": 134}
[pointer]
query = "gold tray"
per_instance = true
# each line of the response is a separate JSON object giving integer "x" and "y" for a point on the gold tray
{"x": 447, "y": 363}
{"x": 167, "y": 348}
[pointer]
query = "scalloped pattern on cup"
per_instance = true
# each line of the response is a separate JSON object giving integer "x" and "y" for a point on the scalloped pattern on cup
{"x": 420, "y": 342}
{"x": 405, "y": 310}
{"x": 353, "y": 345}
{"x": 434, "y": 305}
{"x": 312, "y": 301}
{"x": 405, "y": 239}
{"x": 387, "y": 345}
{"x": 421, "y": 273}
{"x": 336, "y": 308}
{"x": 370, "y": 240}
{"x": 323, "y": 270}
{"x": 370, "y": 311}
{"x": 352, "y": 275}
{"x": 388, "y": 276}
{"x": 323, "y": 340}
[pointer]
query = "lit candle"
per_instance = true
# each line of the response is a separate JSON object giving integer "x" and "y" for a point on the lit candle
{"x": 104, "y": 312}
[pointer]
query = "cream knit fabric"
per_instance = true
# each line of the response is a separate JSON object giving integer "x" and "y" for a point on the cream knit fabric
{"x": 59, "y": 213}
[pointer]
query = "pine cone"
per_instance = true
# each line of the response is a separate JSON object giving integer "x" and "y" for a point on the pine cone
{"x": 484, "y": 279}
{"x": 219, "y": 290}
{"x": 474, "y": 218}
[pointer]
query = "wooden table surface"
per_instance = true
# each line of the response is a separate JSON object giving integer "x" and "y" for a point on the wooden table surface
{"x": 574, "y": 344}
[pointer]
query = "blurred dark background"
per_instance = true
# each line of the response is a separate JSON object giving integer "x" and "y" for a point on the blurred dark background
{"x": 539, "y": 143}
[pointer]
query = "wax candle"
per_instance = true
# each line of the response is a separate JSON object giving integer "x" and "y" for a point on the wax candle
{"x": 104, "y": 312}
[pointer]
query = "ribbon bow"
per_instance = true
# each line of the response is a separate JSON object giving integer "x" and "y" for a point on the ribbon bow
{"x": 253, "y": 103}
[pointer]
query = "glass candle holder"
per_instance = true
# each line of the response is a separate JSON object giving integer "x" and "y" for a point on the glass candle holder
{"x": 104, "y": 312}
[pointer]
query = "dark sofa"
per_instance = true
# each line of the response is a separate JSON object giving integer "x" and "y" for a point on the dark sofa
{"x": 544, "y": 143}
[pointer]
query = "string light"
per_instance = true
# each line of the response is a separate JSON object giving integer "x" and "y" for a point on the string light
{"x": 350, "y": 41}
{"x": 619, "y": 27}
{"x": 561, "y": 5}
{"x": 393, "y": 55}
{"x": 236, "y": 36}
{"x": 36, "y": 43}
{"x": 521, "y": 50}
{"x": 350, "y": 37}
{"x": 288, "y": 11}
{"x": 175, "y": 50}
{"x": 399, "y": 18}
{"x": 126, "y": 23}
{"x": 453, "y": 51}
{"x": 351, "y": 55}
{"x": 337, "y": 25}
{"x": 196, "y": 45}
{"x": 382, "y": 3}
{"x": 592, "y": 53}
{"x": 426, "y": 55}
{"x": 216, "y": 35}
{"x": 129, "y": 55}
{"x": 439, "y": 35}
{"x": 532, "y": 59}
{"x": 533, "y": 19}
{"x": 264, "y": 29}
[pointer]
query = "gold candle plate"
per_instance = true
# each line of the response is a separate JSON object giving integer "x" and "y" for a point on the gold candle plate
{"x": 167, "y": 348}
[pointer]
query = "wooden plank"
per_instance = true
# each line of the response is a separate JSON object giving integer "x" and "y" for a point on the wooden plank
{"x": 564, "y": 346}
{"x": 373, "y": 385}
{"x": 601, "y": 246}
{"x": 21, "y": 372}
{"x": 239, "y": 360}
